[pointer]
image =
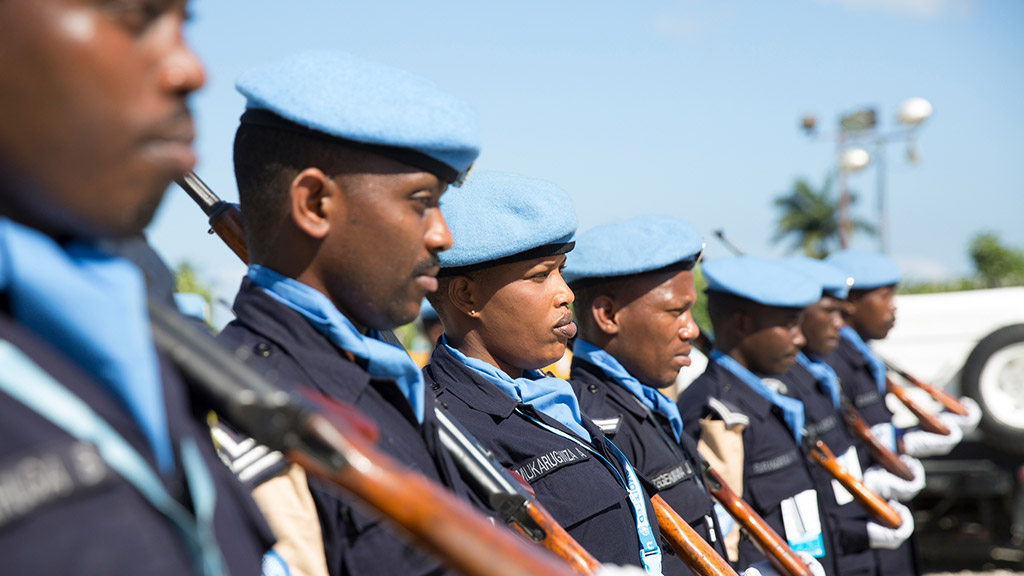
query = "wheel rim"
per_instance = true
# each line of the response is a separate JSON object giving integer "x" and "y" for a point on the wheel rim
{"x": 1001, "y": 386}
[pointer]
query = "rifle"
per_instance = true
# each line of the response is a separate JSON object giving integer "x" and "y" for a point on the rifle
{"x": 693, "y": 550}
{"x": 462, "y": 538}
{"x": 860, "y": 428}
{"x": 764, "y": 537}
{"x": 927, "y": 420}
{"x": 509, "y": 499}
{"x": 948, "y": 401}
{"x": 489, "y": 480}
{"x": 820, "y": 454}
{"x": 878, "y": 508}
{"x": 225, "y": 217}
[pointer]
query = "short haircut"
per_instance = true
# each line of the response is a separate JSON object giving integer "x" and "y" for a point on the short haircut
{"x": 267, "y": 160}
{"x": 721, "y": 306}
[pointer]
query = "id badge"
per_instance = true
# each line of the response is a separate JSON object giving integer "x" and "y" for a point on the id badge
{"x": 886, "y": 434}
{"x": 802, "y": 523}
{"x": 849, "y": 461}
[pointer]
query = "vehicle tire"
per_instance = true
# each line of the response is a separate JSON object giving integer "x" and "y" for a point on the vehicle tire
{"x": 994, "y": 377}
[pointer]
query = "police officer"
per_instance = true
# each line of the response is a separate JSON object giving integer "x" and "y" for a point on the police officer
{"x": 817, "y": 387}
{"x": 633, "y": 282}
{"x": 505, "y": 309}
{"x": 103, "y": 467}
{"x": 341, "y": 164}
{"x": 869, "y": 313}
{"x": 745, "y": 427}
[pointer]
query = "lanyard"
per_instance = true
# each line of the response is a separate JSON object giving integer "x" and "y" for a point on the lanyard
{"x": 23, "y": 380}
{"x": 650, "y": 552}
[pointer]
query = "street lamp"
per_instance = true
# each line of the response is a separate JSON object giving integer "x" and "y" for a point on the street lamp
{"x": 860, "y": 127}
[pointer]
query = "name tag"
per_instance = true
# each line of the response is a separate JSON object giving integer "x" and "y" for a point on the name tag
{"x": 672, "y": 476}
{"x": 30, "y": 481}
{"x": 825, "y": 425}
{"x": 803, "y": 524}
{"x": 550, "y": 461}
{"x": 866, "y": 399}
{"x": 849, "y": 461}
{"x": 776, "y": 463}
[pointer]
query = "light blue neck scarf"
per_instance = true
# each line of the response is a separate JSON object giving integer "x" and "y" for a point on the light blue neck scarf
{"x": 823, "y": 373}
{"x": 551, "y": 396}
{"x": 650, "y": 397}
{"x": 875, "y": 363}
{"x": 90, "y": 306}
{"x": 792, "y": 409}
{"x": 383, "y": 360}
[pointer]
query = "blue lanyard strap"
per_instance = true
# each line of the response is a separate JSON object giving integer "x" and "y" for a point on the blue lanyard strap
{"x": 650, "y": 552}
{"x": 24, "y": 381}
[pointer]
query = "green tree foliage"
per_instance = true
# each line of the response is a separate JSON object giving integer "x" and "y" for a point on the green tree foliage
{"x": 997, "y": 265}
{"x": 810, "y": 218}
{"x": 187, "y": 280}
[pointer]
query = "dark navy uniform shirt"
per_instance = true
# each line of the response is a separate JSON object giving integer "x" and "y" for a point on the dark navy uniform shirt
{"x": 63, "y": 511}
{"x": 284, "y": 343}
{"x": 859, "y": 387}
{"x": 846, "y": 516}
{"x": 578, "y": 490}
{"x": 774, "y": 467}
{"x": 647, "y": 441}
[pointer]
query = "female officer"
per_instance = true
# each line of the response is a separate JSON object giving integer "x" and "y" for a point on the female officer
{"x": 505, "y": 310}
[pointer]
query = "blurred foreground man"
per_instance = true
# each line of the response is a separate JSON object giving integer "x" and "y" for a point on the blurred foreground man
{"x": 103, "y": 467}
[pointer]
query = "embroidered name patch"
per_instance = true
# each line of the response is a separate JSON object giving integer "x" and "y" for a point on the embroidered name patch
{"x": 866, "y": 399}
{"x": 827, "y": 424}
{"x": 33, "y": 480}
{"x": 551, "y": 461}
{"x": 777, "y": 463}
{"x": 672, "y": 476}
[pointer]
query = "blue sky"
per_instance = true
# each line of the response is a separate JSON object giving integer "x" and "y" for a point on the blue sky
{"x": 683, "y": 107}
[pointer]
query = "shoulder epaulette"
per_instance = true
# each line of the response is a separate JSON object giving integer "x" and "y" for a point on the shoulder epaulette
{"x": 729, "y": 416}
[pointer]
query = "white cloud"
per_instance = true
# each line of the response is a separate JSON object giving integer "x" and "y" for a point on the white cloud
{"x": 918, "y": 8}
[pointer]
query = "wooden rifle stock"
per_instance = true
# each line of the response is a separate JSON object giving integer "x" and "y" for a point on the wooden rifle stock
{"x": 927, "y": 420}
{"x": 878, "y": 508}
{"x": 693, "y": 550}
{"x": 509, "y": 496}
{"x": 948, "y": 401}
{"x": 885, "y": 457}
{"x": 767, "y": 540}
{"x": 225, "y": 217}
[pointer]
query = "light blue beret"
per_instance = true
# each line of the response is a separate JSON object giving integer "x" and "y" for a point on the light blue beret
{"x": 834, "y": 282}
{"x": 764, "y": 281}
{"x": 497, "y": 217}
{"x": 634, "y": 246}
{"x": 394, "y": 112}
{"x": 869, "y": 270}
{"x": 427, "y": 311}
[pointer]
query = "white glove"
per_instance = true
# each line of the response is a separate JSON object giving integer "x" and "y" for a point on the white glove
{"x": 966, "y": 424}
{"x": 812, "y": 563}
{"x": 613, "y": 570}
{"x": 765, "y": 568}
{"x": 887, "y": 485}
{"x": 921, "y": 444}
{"x": 881, "y": 537}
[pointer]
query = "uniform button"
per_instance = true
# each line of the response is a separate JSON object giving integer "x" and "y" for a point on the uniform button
{"x": 435, "y": 386}
{"x": 444, "y": 405}
{"x": 592, "y": 388}
{"x": 263, "y": 349}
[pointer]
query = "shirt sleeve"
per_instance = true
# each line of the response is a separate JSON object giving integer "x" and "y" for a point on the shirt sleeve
{"x": 288, "y": 506}
{"x": 722, "y": 446}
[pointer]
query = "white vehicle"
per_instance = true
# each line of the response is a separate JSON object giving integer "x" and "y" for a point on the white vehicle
{"x": 969, "y": 343}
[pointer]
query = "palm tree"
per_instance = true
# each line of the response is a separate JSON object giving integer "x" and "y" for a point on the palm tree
{"x": 811, "y": 219}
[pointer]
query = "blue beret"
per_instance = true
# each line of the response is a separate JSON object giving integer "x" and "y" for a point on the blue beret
{"x": 634, "y": 246}
{"x": 834, "y": 282}
{"x": 870, "y": 270}
{"x": 389, "y": 111}
{"x": 427, "y": 311}
{"x": 763, "y": 281}
{"x": 497, "y": 217}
